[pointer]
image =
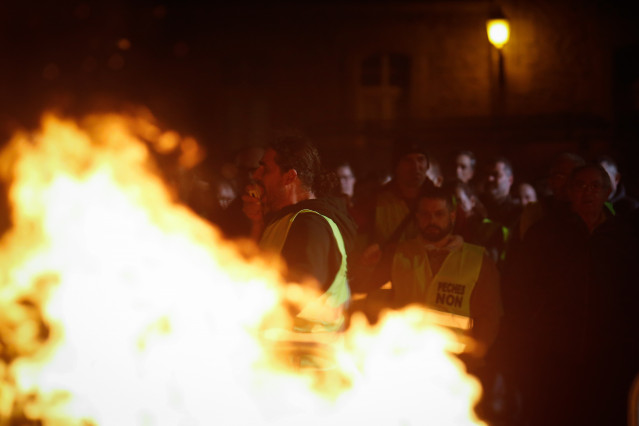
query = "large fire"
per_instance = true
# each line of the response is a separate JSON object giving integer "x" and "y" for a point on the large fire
{"x": 120, "y": 306}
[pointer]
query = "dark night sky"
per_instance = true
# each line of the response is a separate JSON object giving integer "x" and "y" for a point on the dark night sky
{"x": 76, "y": 56}
{"x": 50, "y": 47}
{"x": 65, "y": 52}
{"x": 170, "y": 40}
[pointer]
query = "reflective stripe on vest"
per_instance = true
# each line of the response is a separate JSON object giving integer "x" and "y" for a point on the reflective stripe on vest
{"x": 325, "y": 313}
{"x": 390, "y": 211}
{"x": 449, "y": 290}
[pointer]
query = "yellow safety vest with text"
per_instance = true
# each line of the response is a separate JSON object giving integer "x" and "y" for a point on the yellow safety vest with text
{"x": 325, "y": 313}
{"x": 449, "y": 290}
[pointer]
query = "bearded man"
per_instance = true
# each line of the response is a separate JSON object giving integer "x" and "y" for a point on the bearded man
{"x": 439, "y": 270}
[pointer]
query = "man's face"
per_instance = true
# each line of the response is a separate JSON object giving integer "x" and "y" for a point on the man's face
{"x": 588, "y": 192}
{"x": 411, "y": 170}
{"x": 269, "y": 175}
{"x": 527, "y": 194}
{"x": 464, "y": 168}
{"x": 225, "y": 195}
{"x": 434, "y": 219}
{"x": 498, "y": 181}
{"x": 346, "y": 180}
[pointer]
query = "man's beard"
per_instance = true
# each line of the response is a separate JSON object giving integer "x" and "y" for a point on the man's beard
{"x": 433, "y": 233}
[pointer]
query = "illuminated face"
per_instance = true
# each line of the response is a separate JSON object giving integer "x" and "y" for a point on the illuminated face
{"x": 411, "y": 170}
{"x": 498, "y": 181}
{"x": 269, "y": 175}
{"x": 225, "y": 194}
{"x": 346, "y": 180}
{"x": 464, "y": 168}
{"x": 434, "y": 219}
{"x": 588, "y": 192}
{"x": 527, "y": 194}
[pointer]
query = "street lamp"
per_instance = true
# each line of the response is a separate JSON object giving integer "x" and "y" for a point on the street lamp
{"x": 498, "y": 29}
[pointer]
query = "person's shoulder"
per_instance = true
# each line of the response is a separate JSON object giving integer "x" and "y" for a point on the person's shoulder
{"x": 309, "y": 226}
{"x": 617, "y": 223}
{"x": 548, "y": 225}
{"x": 309, "y": 216}
{"x": 474, "y": 248}
{"x": 388, "y": 190}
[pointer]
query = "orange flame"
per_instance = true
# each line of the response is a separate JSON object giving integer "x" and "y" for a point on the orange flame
{"x": 119, "y": 306}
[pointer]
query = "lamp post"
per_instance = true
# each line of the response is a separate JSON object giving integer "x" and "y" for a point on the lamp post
{"x": 498, "y": 30}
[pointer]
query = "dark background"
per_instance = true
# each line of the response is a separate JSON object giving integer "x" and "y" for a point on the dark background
{"x": 231, "y": 74}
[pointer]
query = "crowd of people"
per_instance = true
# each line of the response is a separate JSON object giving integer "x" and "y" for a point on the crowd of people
{"x": 539, "y": 280}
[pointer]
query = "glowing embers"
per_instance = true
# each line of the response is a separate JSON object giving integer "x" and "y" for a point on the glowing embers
{"x": 120, "y": 306}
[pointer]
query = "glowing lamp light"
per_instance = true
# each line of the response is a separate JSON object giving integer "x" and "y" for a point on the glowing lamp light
{"x": 498, "y": 32}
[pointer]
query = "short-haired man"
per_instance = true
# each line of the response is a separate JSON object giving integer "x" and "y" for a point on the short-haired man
{"x": 500, "y": 205}
{"x": 589, "y": 188}
{"x": 347, "y": 181}
{"x": 439, "y": 270}
{"x": 465, "y": 166}
{"x": 311, "y": 233}
{"x": 561, "y": 289}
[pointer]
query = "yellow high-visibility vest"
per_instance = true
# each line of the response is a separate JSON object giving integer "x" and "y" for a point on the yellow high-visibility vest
{"x": 325, "y": 313}
{"x": 390, "y": 212}
{"x": 449, "y": 290}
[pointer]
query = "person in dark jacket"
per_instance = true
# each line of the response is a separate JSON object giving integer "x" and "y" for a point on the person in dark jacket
{"x": 567, "y": 304}
{"x": 500, "y": 205}
{"x": 557, "y": 200}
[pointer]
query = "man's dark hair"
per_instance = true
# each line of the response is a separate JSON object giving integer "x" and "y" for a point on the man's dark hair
{"x": 299, "y": 153}
{"x": 508, "y": 166}
{"x": 405, "y": 147}
{"x": 576, "y": 159}
{"x": 446, "y": 192}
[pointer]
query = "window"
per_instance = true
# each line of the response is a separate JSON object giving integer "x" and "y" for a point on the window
{"x": 383, "y": 87}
